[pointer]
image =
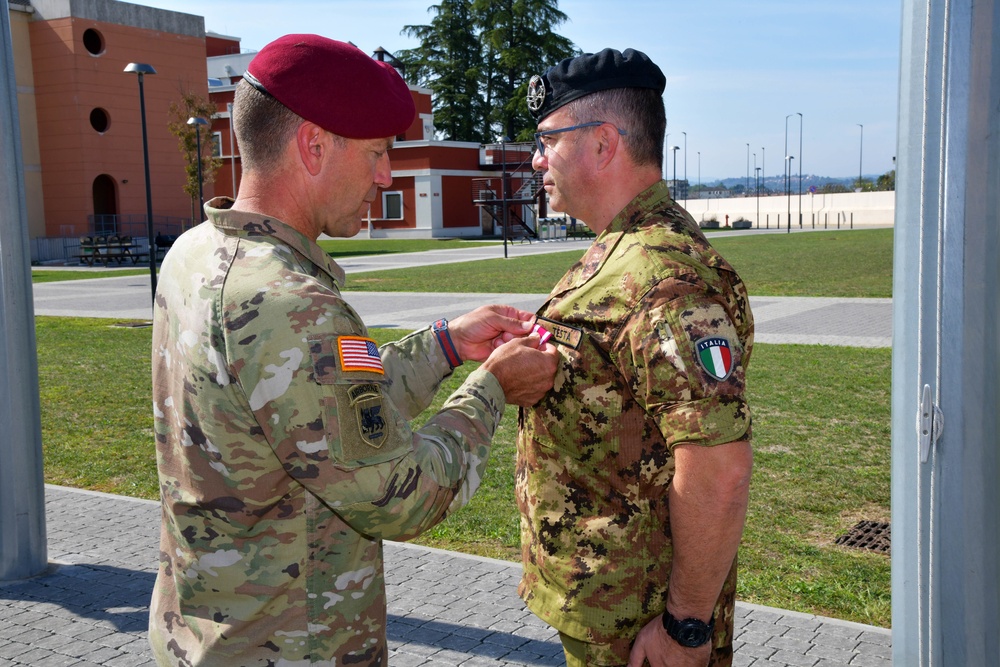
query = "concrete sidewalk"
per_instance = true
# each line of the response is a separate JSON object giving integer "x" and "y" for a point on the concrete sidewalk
{"x": 445, "y": 609}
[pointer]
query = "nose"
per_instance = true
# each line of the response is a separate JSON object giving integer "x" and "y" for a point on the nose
{"x": 383, "y": 172}
{"x": 537, "y": 160}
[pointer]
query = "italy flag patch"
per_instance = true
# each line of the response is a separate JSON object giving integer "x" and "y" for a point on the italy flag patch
{"x": 716, "y": 356}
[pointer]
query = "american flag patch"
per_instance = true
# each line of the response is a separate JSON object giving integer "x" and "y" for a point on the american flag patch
{"x": 359, "y": 354}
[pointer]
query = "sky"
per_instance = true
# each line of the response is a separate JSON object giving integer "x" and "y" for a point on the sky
{"x": 735, "y": 69}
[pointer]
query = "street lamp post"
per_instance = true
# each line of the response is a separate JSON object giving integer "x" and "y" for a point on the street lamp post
{"x": 788, "y": 194}
{"x": 140, "y": 69}
{"x": 747, "y": 187}
{"x": 756, "y": 178}
{"x": 861, "y": 152}
{"x": 800, "y": 170}
{"x": 503, "y": 191}
{"x": 674, "y": 193}
{"x": 197, "y": 122}
{"x": 685, "y": 166}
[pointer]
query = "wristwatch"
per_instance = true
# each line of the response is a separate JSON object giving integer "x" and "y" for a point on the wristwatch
{"x": 690, "y": 632}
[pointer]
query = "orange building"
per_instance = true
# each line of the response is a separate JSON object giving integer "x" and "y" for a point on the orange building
{"x": 80, "y": 117}
{"x": 81, "y": 133}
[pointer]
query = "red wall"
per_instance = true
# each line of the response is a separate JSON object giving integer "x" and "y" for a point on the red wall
{"x": 70, "y": 82}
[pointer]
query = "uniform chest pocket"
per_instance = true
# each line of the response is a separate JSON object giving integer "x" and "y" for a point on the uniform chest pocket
{"x": 581, "y": 414}
{"x": 361, "y": 424}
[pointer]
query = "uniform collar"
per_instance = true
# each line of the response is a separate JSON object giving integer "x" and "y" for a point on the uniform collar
{"x": 220, "y": 214}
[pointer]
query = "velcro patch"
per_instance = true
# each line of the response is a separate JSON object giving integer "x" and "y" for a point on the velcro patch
{"x": 563, "y": 334}
{"x": 366, "y": 399}
{"x": 359, "y": 354}
{"x": 715, "y": 355}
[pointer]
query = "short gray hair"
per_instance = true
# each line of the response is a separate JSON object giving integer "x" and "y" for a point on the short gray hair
{"x": 638, "y": 111}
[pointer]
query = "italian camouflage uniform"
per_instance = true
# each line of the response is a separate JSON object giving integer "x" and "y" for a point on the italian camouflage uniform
{"x": 284, "y": 452}
{"x": 654, "y": 330}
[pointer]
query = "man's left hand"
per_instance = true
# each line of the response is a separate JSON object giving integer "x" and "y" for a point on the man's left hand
{"x": 476, "y": 334}
{"x": 655, "y": 645}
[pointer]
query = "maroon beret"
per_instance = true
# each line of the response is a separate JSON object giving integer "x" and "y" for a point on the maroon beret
{"x": 335, "y": 85}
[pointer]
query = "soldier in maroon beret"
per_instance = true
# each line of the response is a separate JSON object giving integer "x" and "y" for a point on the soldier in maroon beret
{"x": 284, "y": 449}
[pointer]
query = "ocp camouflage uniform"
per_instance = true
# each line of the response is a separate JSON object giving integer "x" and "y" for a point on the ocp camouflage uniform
{"x": 281, "y": 468}
{"x": 595, "y": 456}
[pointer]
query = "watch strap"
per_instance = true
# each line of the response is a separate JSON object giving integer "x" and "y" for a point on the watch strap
{"x": 689, "y": 632}
{"x": 451, "y": 355}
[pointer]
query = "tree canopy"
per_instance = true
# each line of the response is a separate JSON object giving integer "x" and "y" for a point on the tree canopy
{"x": 477, "y": 56}
{"x": 192, "y": 105}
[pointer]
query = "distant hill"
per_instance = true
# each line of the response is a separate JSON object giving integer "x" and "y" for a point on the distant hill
{"x": 777, "y": 183}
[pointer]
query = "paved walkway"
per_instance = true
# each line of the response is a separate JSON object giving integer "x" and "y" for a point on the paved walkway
{"x": 784, "y": 320}
{"x": 445, "y": 609}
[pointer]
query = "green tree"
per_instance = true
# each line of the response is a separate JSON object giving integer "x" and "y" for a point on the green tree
{"x": 478, "y": 55}
{"x": 886, "y": 181}
{"x": 192, "y": 105}
{"x": 518, "y": 41}
{"x": 832, "y": 188}
{"x": 449, "y": 59}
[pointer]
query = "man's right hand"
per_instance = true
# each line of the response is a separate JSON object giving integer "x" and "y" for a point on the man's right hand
{"x": 525, "y": 371}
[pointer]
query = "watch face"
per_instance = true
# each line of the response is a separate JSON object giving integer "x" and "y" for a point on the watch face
{"x": 692, "y": 635}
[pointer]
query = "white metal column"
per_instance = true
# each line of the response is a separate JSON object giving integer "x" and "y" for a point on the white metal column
{"x": 22, "y": 492}
{"x": 946, "y": 289}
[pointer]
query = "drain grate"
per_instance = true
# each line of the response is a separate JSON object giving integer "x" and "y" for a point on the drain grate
{"x": 870, "y": 535}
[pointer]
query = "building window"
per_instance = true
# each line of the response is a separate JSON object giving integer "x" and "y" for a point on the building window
{"x": 392, "y": 205}
{"x": 217, "y": 144}
{"x": 99, "y": 120}
{"x": 93, "y": 41}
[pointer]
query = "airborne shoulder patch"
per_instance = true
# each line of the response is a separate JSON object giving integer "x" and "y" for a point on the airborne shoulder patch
{"x": 715, "y": 355}
{"x": 366, "y": 399}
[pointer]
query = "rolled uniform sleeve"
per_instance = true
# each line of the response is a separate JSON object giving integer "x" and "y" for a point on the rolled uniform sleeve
{"x": 343, "y": 432}
{"x": 683, "y": 358}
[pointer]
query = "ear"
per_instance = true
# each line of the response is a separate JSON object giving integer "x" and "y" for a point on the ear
{"x": 311, "y": 142}
{"x": 609, "y": 142}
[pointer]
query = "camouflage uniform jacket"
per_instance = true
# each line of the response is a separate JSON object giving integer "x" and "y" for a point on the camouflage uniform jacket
{"x": 284, "y": 452}
{"x": 655, "y": 331}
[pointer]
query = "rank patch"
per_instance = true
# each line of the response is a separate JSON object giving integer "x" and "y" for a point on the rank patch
{"x": 359, "y": 354}
{"x": 716, "y": 356}
{"x": 366, "y": 399}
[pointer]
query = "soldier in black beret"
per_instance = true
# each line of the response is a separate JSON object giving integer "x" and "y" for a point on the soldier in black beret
{"x": 633, "y": 472}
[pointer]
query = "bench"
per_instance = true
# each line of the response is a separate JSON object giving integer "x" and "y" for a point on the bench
{"x": 104, "y": 249}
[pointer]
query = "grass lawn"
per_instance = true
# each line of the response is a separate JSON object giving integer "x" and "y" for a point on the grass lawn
{"x": 856, "y": 263}
{"x": 821, "y": 440}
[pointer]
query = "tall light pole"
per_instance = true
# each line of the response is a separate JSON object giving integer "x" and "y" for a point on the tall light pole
{"x": 788, "y": 194}
{"x": 685, "y": 167}
{"x": 800, "y": 170}
{"x": 232, "y": 148}
{"x": 675, "y": 149}
{"x": 197, "y": 122}
{"x": 756, "y": 175}
{"x": 140, "y": 69}
{"x": 861, "y": 152}
{"x": 747, "y": 188}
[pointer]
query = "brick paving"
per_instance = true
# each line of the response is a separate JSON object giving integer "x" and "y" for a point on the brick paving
{"x": 445, "y": 609}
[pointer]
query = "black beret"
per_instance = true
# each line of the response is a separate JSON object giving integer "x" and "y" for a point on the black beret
{"x": 335, "y": 85}
{"x": 575, "y": 77}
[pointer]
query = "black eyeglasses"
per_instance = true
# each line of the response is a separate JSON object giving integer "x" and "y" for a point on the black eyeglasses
{"x": 544, "y": 133}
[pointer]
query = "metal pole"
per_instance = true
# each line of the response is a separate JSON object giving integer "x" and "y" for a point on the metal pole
{"x": 23, "y": 551}
{"x": 763, "y": 170}
{"x": 503, "y": 191}
{"x": 140, "y": 69}
{"x": 685, "y": 167}
{"x": 674, "y": 193}
{"x": 800, "y": 171}
{"x": 788, "y": 193}
{"x": 232, "y": 148}
{"x": 861, "y": 152}
{"x": 757, "y": 188}
{"x": 946, "y": 351}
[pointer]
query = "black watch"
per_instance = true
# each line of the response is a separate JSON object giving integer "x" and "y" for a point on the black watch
{"x": 690, "y": 632}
